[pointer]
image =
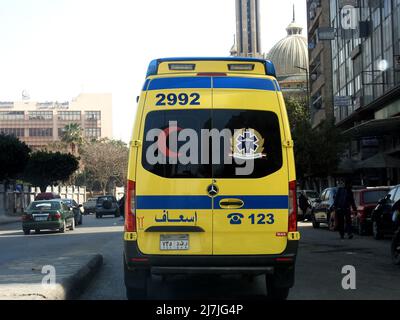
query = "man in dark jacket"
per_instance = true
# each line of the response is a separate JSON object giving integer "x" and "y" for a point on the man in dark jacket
{"x": 344, "y": 199}
{"x": 303, "y": 203}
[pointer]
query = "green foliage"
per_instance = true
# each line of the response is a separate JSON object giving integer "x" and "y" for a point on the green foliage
{"x": 72, "y": 135}
{"x": 49, "y": 168}
{"x": 14, "y": 155}
{"x": 317, "y": 151}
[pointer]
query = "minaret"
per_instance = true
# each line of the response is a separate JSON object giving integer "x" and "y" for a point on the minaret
{"x": 248, "y": 28}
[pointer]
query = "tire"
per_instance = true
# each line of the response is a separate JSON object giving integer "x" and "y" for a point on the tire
{"x": 315, "y": 224}
{"x": 360, "y": 228}
{"x": 63, "y": 229}
{"x": 97, "y": 216}
{"x": 395, "y": 248}
{"x": 72, "y": 226}
{"x": 275, "y": 293}
{"x": 136, "y": 284}
{"x": 37, "y": 231}
{"x": 27, "y": 232}
{"x": 377, "y": 234}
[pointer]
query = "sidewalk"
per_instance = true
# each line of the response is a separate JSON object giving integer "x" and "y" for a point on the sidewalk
{"x": 22, "y": 279}
{"x": 5, "y": 219}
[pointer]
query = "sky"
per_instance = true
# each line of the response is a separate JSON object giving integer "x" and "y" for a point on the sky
{"x": 57, "y": 49}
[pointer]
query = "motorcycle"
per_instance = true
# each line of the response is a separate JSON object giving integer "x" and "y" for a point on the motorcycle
{"x": 395, "y": 248}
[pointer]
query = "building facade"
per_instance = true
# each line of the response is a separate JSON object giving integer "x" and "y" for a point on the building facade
{"x": 248, "y": 38}
{"x": 41, "y": 123}
{"x": 320, "y": 59}
{"x": 366, "y": 84}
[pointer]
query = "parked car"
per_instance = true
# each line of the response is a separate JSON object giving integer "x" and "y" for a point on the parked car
{"x": 395, "y": 247}
{"x": 382, "y": 222}
{"x": 322, "y": 211}
{"x": 47, "y": 214}
{"x": 366, "y": 200}
{"x": 47, "y": 196}
{"x": 76, "y": 208}
{"x": 89, "y": 206}
{"x": 312, "y": 195}
{"x": 107, "y": 205}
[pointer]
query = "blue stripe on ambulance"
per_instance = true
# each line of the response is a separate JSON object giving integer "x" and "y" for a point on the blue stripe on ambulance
{"x": 205, "y": 83}
{"x": 204, "y": 202}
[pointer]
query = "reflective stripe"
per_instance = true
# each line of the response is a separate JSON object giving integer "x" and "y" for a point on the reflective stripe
{"x": 205, "y": 83}
{"x": 205, "y": 202}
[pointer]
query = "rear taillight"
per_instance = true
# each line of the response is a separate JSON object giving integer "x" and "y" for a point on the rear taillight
{"x": 57, "y": 216}
{"x": 130, "y": 207}
{"x": 292, "y": 207}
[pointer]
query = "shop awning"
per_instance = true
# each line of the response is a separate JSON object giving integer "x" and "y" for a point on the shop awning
{"x": 375, "y": 128}
{"x": 379, "y": 160}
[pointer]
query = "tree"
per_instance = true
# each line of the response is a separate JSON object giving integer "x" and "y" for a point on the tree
{"x": 317, "y": 151}
{"x": 14, "y": 155}
{"x": 302, "y": 135}
{"x": 50, "y": 168}
{"x": 105, "y": 161}
{"x": 72, "y": 135}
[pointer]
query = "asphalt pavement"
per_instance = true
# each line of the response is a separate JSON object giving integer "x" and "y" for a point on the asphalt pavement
{"x": 322, "y": 255}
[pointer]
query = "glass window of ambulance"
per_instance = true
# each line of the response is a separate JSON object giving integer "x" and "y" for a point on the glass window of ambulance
{"x": 265, "y": 125}
{"x": 173, "y": 122}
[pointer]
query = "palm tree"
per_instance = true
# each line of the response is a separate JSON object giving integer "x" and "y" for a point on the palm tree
{"x": 72, "y": 135}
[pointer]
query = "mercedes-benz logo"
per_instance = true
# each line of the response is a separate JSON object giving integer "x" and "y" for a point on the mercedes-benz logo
{"x": 212, "y": 190}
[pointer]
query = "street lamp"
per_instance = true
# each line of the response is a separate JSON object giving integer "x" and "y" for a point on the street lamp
{"x": 308, "y": 84}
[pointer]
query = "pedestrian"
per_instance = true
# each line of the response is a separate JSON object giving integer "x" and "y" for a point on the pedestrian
{"x": 121, "y": 205}
{"x": 304, "y": 204}
{"x": 344, "y": 199}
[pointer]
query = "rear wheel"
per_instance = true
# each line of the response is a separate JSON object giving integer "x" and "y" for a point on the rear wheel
{"x": 72, "y": 226}
{"x": 136, "y": 283}
{"x": 360, "y": 228}
{"x": 274, "y": 292}
{"x": 396, "y": 248}
{"x": 376, "y": 232}
{"x": 63, "y": 229}
{"x": 315, "y": 224}
{"x": 27, "y": 232}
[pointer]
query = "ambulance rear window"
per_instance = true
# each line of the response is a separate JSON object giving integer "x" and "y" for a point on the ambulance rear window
{"x": 219, "y": 143}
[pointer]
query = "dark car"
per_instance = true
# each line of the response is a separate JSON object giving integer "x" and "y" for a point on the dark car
{"x": 322, "y": 211}
{"x": 395, "y": 247}
{"x": 47, "y": 196}
{"x": 47, "y": 215}
{"x": 366, "y": 200}
{"x": 382, "y": 215}
{"x": 106, "y": 206}
{"x": 76, "y": 208}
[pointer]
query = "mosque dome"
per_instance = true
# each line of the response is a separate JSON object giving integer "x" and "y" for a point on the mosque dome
{"x": 290, "y": 53}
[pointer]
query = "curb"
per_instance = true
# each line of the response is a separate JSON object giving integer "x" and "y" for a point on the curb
{"x": 75, "y": 285}
{"x": 69, "y": 287}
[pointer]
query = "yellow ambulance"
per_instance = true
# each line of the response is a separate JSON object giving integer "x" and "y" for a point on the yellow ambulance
{"x": 211, "y": 177}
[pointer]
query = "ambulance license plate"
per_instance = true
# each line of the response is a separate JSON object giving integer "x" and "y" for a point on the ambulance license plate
{"x": 174, "y": 242}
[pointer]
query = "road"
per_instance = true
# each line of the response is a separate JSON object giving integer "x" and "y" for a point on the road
{"x": 321, "y": 258}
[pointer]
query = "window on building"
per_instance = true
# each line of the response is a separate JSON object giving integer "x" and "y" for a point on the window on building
{"x": 40, "y": 132}
{"x": 93, "y": 132}
{"x": 40, "y": 115}
{"x": 12, "y": 115}
{"x": 69, "y": 115}
{"x": 18, "y": 132}
{"x": 93, "y": 115}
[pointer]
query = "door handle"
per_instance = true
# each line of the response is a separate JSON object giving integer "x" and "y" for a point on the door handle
{"x": 231, "y": 203}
